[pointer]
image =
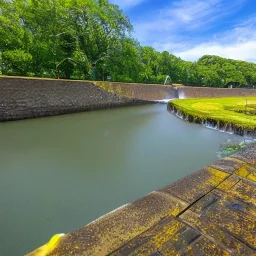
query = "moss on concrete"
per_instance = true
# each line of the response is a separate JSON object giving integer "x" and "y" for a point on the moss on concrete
{"x": 140, "y": 91}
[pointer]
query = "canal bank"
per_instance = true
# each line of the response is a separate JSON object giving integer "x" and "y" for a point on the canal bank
{"x": 161, "y": 92}
{"x": 154, "y": 92}
{"x": 23, "y": 97}
{"x": 193, "y": 92}
{"x": 231, "y": 114}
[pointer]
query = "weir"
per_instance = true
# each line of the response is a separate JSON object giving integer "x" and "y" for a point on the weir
{"x": 211, "y": 122}
{"x": 210, "y": 212}
{"x": 22, "y": 97}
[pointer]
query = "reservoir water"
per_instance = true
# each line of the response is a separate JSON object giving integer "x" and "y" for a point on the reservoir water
{"x": 60, "y": 173}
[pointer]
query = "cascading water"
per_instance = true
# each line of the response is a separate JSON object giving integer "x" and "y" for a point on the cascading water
{"x": 211, "y": 123}
{"x": 181, "y": 94}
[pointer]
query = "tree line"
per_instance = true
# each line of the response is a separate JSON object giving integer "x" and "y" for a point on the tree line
{"x": 78, "y": 39}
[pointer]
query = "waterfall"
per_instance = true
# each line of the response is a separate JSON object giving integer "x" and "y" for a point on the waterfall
{"x": 181, "y": 93}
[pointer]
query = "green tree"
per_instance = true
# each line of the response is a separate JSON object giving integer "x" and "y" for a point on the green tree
{"x": 16, "y": 62}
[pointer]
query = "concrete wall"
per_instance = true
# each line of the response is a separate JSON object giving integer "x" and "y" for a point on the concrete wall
{"x": 160, "y": 92}
{"x": 22, "y": 98}
{"x": 141, "y": 91}
{"x": 207, "y": 92}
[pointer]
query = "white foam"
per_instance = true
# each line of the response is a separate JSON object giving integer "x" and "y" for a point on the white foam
{"x": 163, "y": 101}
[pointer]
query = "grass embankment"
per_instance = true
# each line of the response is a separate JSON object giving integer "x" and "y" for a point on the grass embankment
{"x": 237, "y": 113}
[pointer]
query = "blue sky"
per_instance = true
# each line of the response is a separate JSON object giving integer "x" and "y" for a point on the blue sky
{"x": 192, "y": 28}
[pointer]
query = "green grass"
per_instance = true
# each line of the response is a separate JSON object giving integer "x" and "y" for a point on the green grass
{"x": 232, "y": 111}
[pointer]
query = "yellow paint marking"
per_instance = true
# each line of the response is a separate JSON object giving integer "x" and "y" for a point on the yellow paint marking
{"x": 47, "y": 248}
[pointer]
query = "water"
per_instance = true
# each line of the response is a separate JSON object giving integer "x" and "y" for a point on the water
{"x": 166, "y": 80}
{"x": 60, "y": 173}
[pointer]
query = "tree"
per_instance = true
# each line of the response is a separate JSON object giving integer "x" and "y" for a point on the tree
{"x": 65, "y": 38}
{"x": 16, "y": 62}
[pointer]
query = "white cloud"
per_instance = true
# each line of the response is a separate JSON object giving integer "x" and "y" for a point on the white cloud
{"x": 183, "y": 16}
{"x": 238, "y": 43}
{"x": 193, "y": 12}
{"x": 126, "y": 4}
{"x": 235, "y": 50}
{"x": 185, "y": 27}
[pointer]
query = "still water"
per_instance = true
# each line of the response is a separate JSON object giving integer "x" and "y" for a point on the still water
{"x": 60, "y": 173}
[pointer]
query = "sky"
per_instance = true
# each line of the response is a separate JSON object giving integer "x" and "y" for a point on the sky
{"x": 192, "y": 28}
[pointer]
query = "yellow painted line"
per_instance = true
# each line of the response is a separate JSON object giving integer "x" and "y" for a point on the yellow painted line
{"x": 47, "y": 248}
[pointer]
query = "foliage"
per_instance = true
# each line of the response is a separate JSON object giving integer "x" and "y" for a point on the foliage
{"x": 231, "y": 147}
{"x": 16, "y": 62}
{"x": 66, "y": 38}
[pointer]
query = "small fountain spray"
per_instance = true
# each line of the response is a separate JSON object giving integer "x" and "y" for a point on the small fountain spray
{"x": 166, "y": 80}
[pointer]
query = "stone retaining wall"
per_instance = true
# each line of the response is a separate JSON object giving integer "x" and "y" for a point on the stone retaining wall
{"x": 141, "y": 91}
{"x": 208, "y": 92}
{"x": 161, "y": 92}
{"x": 22, "y": 98}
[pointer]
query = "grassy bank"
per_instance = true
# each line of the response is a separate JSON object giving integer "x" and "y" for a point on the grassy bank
{"x": 236, "y": 113}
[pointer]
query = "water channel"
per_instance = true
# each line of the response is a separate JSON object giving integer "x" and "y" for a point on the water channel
{"x": 60, "y": 173}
